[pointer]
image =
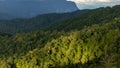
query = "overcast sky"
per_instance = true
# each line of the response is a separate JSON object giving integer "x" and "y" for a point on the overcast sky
{"x": 90, "y": 4}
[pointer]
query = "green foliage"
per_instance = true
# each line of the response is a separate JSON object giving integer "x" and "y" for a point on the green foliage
{"x": 75, "y": 48}
{"x": 39, "y": 22}
{"x": 95, "y": 46}
{"x": 95, "y": 16}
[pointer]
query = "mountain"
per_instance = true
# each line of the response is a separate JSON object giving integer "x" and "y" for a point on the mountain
{"x": 95, "y": 16}
{"x": 36, "y": 23}
{"x": 91, "y": 40}
{"x": 31, "y": 8}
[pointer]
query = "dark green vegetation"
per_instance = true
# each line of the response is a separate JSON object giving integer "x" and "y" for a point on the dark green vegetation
{"x": 89, "y": 41}
{"x": 36, "y": 23}
{"x": 96, "y": 16}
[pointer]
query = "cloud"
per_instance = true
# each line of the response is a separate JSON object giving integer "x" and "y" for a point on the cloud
{"x": 90, "y": 4}
{"x": 89, "y": 1}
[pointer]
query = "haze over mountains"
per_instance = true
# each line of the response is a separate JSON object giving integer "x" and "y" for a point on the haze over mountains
{"x": 30, "y": 8}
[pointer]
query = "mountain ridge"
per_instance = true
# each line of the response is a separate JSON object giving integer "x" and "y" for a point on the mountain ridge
{"x": 28, "y": 9}
{"x": 36, "y": 23}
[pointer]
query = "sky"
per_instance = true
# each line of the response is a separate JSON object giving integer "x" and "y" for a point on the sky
{"x": 86, "y": 4}
{"x": 91, "y": 4}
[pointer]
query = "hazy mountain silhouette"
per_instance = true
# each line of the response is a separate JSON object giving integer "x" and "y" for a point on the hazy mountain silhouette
{"x": 30, "y": 8}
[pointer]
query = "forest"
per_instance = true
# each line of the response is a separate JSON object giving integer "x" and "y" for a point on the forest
{"x": 90, "y": 39}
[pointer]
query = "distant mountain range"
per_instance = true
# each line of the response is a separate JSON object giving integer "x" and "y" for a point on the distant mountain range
{"x": 30, "y": 8}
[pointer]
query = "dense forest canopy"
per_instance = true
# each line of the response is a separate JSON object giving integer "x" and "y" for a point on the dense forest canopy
{"x": 90, "y": 40}
{"x": 36, "y": 23}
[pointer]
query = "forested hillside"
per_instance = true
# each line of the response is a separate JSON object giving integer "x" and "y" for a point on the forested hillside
{"x": 36, "y": 23}
{"x": 95, "y": 16}
{"x": 91, "y": 40}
